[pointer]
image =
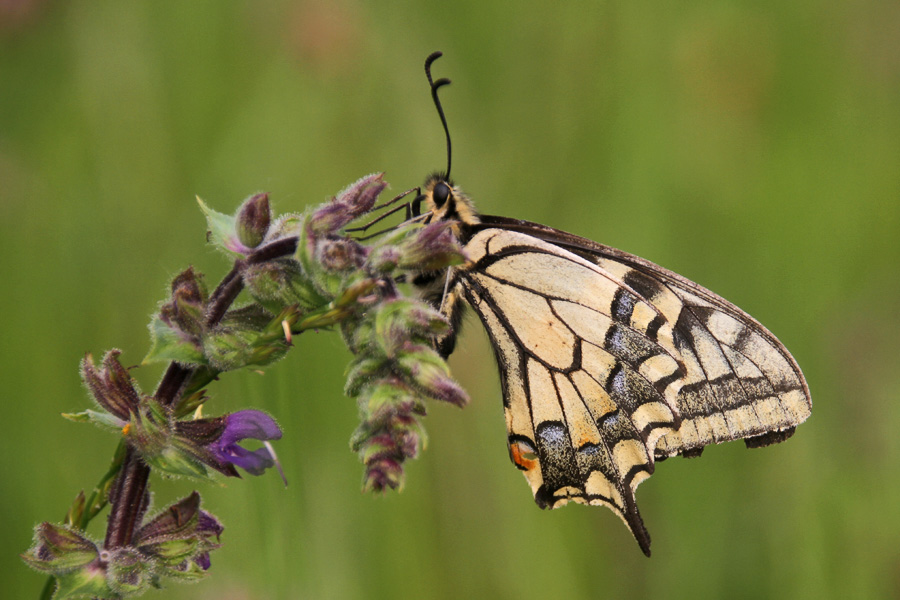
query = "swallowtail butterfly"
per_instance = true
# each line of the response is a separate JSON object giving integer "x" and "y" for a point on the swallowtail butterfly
{"x": 608, "y": 362}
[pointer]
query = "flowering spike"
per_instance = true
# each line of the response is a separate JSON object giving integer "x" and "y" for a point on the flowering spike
{"x": 303, "y": 272}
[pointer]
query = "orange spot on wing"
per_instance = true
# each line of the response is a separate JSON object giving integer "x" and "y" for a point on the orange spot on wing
{"x": 522, "y": 456}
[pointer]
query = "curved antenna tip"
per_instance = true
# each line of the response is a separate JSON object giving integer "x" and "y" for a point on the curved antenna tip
{"x": 433, "y": 57}
{"x": 435, "y": 85}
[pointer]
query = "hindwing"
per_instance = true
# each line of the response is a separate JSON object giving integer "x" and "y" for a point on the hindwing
{"x": 609, "y": 363}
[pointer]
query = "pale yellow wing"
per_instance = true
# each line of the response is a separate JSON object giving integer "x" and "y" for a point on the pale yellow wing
{"x": 606, "y": 368}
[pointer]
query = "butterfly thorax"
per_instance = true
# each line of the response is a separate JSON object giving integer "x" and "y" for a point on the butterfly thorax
{"x": 444, "y": 202}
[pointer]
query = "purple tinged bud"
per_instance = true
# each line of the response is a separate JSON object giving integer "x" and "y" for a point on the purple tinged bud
{"x": 447, "y": 390}
{"x": 127, "y": 572}
{"x": 383, "y": 474}
{"x": 181, "y": 517}
{"x": 253, "y": 220}
{"x": 360, "y": 196}
{"x": 400, "y": 320}
{"x": 424, "y": 320}
{"x": 409, "y": 444}
{"x": 425, "y": 368}
{"x": 66, "y": 554}
{"x": 385, "y": 258}
{"x": 180, "y": 533}
{"x": 186, "y": 310}
{"x": 57, "y": 542}
{"x": 209, "y": 526}
{"x": 203, "y": 561}
{"x": 329, "y": 218}
{"x": 353, "y": 202}
{"x": 340, "y": 254}
{"x": 432, "y": 247}
{"x": 111, "y": 386}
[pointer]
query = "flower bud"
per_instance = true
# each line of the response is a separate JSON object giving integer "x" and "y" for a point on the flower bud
{"x": 127, "y": 572}
{"x": 400, "y": 320}
{"x": 182, "y": 532}
{"x": 432, "y": 247}
{"x": 60, "y": 549}
{"x": 354, "y": 201}
{"x": 279, "y": 283}
{"x": 112, "y": 387}
{"x": 361, "y": 372}
{"x": 186, "y": 309}
{"x": 383, "y": 474}
{"x": 385, "y": 259}
{"x": 340, "y": 254}
{"x": 253, "y": 220}
{"x": 428, "y": 371}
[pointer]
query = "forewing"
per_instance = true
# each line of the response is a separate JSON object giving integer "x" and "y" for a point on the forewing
{"x": 590, "y": 371}
{"x": 739, "y": 380}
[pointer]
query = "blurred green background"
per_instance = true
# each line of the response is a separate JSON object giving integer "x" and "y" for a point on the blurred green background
{"x": 753, "y": 147}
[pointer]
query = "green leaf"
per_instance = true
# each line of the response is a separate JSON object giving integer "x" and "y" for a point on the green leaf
{"x": 83, "y": 584}
{"x": 222, "y": 231}
{"x": 168, "y": 344}
{"x": 99, "y": 418}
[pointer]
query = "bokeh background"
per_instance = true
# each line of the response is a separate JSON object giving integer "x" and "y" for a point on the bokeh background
{"x": 752, "y": 146}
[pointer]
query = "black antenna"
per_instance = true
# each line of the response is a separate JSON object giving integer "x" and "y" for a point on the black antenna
{"x": 435, "y": 85}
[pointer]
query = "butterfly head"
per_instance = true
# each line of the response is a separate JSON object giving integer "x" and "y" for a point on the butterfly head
{"x": 443, "y": 201}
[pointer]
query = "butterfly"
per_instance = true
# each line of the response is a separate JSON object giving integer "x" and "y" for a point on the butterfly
{"x": 608, "y": 362}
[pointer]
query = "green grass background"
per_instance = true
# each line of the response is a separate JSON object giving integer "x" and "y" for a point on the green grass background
{"x": 751, "y": 146}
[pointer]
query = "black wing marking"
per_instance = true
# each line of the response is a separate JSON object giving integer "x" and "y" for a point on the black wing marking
{"x": 609, "y": 362}
{"x": 741, "y": 382}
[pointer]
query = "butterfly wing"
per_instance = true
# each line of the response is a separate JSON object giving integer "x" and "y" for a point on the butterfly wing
{"x": 609, "y": 363}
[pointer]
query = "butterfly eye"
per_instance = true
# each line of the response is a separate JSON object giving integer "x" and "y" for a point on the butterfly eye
{"x": 440, "y": 194}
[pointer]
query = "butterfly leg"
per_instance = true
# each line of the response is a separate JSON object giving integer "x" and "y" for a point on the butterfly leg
{"x": 390, "y": 212}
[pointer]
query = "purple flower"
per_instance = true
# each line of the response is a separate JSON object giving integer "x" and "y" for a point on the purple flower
{"x": 242, "y": 425}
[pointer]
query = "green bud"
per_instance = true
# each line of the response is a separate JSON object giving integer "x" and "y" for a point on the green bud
{"x": 58, "y": 549}
{"x": 186, "y": 571}
{"x": 428, "y": 371}
{"x": 127, "y": 572}
{"x": 387, "y": 399}
{"x": 102, "y": 419}
{"x": 89, "y": 582}
{"x": 361, "y": 371}
{"x": 401, "y": 320}
{"x": 279, "y": 283}
{"x": 246, "y": 336}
